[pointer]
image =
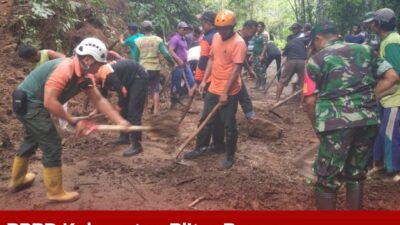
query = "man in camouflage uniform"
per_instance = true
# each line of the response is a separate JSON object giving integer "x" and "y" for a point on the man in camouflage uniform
{"x": 342, "y": 108}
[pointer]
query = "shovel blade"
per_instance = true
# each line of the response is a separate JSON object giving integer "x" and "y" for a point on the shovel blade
{"x": 185, "y": 162}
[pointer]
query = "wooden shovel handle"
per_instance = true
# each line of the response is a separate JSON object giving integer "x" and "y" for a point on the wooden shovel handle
{"x": 285, "y": 100}
{"x": 186, "y": 109}
{"x": 202, "y": 125}
{"x": 273, "y": 79}
{"x": 122, "y": 128}
{"x": 185, "y": 78}
{"x": 88, "y": 117}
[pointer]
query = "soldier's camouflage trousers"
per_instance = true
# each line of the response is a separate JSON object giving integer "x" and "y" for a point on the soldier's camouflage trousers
{"x": 260, "y": 67}
{"x": 344, "y": 156}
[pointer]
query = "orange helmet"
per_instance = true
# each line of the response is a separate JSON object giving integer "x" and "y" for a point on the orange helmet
{"x": 225, "y": 18}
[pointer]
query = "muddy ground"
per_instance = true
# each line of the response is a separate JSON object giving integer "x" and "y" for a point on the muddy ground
{"x": 264, "y": 176}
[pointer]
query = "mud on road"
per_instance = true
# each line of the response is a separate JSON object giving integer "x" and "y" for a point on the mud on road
{"x": 264, "y": 176}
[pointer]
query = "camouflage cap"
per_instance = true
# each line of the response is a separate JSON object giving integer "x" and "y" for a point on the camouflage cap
{"x": 328, "y": 27}
{"x": 369, "y": 17}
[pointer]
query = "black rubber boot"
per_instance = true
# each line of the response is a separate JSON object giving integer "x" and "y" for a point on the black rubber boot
{"x": 354, "y": 195}
{"x": 325, "y": 199}
{"x": 231, "y": 140}
{"x": 202, "y": 141}
{"x": 123, "y": 139}
{"x": 218, "y": 136}
{"x": 217, "y": 148}
{"x": 195, "y": 153}
{"x": 263, "y": 83}
{"x": 134, "y": 149}
{"x": 257, "y": 84}
{"x": 228, "y": 162}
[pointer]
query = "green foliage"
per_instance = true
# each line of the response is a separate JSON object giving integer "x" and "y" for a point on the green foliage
{"x": 65, "y": 13}
{"x": 41, "y": 10}
{"x": 164, "y": 14}
{"x": 101, "y": 13}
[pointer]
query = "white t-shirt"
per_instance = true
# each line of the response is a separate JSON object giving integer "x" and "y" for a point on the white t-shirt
{"x": 194, "y": 53}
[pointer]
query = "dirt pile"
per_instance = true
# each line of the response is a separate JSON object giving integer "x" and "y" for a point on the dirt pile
{"x": 262, "y": 128}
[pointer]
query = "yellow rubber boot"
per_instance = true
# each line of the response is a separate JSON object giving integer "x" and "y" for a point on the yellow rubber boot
{"x": 20, "y": 178}
{"x": 54, "y": 186}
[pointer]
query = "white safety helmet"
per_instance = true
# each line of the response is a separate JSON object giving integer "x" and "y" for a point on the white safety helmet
{"x": 93, "y": 47}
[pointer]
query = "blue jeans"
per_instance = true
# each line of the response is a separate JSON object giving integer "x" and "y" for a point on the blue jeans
{"x": 177, "y": 88}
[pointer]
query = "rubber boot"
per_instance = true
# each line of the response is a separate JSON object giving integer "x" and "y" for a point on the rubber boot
{"x": 231, "y": 140}
{"x": 123, "y": 139}
{"x": 325, "y": 199}
{"x": 134, "y": 149}
{"x": 257, "y": 84}
{"x": 136, "y": 146}
{"x": 218, "y": 136}
{"x": 354, "y": 195}
{"x": 196, "y": 152}
{"x": 20, "y": 178}
{"x": 263, "y": 83}
{"x": 52, "y": 178}
{"x": 202, "y": 141}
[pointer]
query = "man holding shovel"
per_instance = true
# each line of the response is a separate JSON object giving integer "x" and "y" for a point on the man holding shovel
{"x": 207, "y": 23}
{"x": 39, "y": 57}
{"x": 43, "y": 92}
{"x": 178, "y": 49}
{"x": 130, "y": 80}
{"x": 228, "y": 52}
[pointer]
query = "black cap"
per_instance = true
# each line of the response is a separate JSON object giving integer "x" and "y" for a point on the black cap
{"x": 133, "y": 26}
{"x": 208, "y": 16}
{"x": 296, "y": 26}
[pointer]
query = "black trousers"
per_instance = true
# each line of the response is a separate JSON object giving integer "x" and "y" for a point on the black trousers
{"x": 133, "y": 107}
{"x": 227, "y": 116}
{"x": 245, "y": 101}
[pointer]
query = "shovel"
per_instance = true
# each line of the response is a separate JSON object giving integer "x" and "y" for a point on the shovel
{"x": 187, "y": 109}
{"x": 285, "y": 100}
{"x": 273, "y": 79}
{"x": 193, "y": 135}
{"x": 88, "y": 117}
{"x": 160, "y": 126}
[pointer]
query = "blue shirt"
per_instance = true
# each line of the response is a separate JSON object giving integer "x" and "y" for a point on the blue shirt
{"x": 359, "y": 39}
{"x": 130, "y": 41}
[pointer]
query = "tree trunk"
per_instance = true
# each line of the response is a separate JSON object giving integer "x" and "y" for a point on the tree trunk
{"x": 303, "y": 11}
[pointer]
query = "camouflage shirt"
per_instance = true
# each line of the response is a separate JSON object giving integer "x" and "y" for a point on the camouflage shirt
{"x": 345, "y": 75}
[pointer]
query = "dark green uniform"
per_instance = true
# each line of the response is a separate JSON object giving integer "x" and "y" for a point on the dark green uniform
{"x": 346, "y": 116}
{"x": 40, "y": 131}
{"x": 260, "y": 66}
